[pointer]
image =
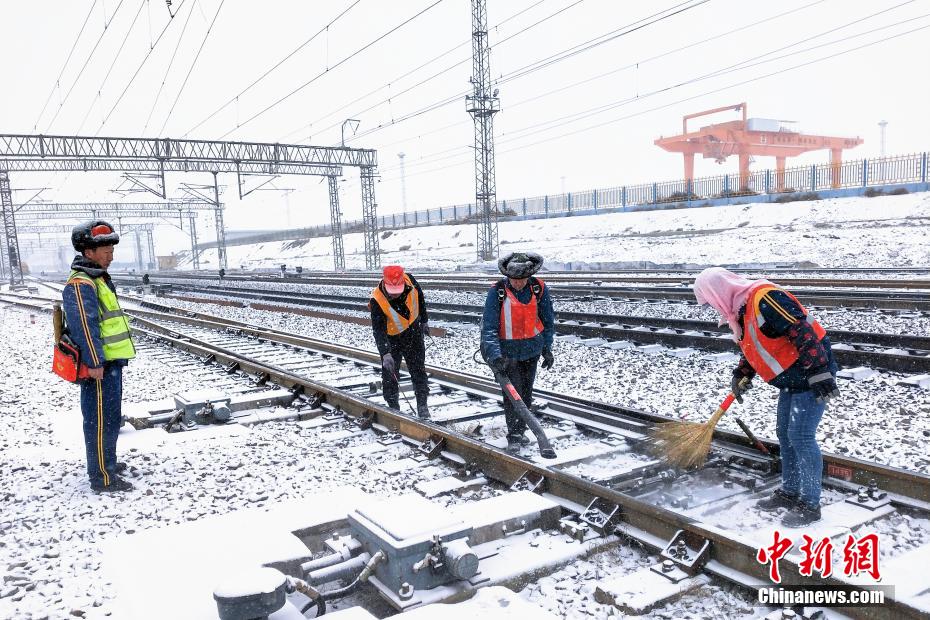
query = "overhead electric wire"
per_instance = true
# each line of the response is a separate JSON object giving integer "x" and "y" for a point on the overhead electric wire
{"x": 193, "y": 64}
{"x": 170, "y": 64}
{"x": 86, "y": 62}
{"x": 746, "y": 64}
{"x": 142, "y": 64}
{"x": 679, "y": 101}
{"x": 441, "y": 71}
{"x": 116, "y": 56}
{"x": 275, "y": 66}
{"x": 57, "y": 82}
{"x": 303, "y": 128}
{"x": 737, "y": 66}
{"x": 328, "y": 69}
{"x": 567, "y": 53}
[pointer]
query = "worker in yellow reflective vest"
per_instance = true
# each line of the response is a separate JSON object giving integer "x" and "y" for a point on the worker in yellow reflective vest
{"x": 97, "y": 325}
{"x": 399, "y": 323}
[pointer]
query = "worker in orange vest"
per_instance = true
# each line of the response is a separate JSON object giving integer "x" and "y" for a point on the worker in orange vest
{"x": 517, "y": 329}
{"x": 399, "y": 323}
{"x": 790, "y": 350}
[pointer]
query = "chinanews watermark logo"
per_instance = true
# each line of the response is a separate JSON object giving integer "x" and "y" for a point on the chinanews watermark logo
{"x": 860, "y": 559}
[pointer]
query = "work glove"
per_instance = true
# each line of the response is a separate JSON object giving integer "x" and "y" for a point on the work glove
{"x": 425, "y": 327}
{"x": 824, "y": 385}
{"x": 548, "y": 360}
{"x": 499, "y": 364}
{"x": 738, "y": 387}
{"x": 388, "y": 364}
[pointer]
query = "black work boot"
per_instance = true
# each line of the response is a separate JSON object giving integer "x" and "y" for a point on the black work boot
{"x": 393, "y": 405}
{"x": 423, "y": 411}
{"x": 116, "y": 484}
{"x": 778, "y": 499}
{"x": 121, "y": 467}
{"x": 802, "y": 514}
{"x": 521, "y": 439}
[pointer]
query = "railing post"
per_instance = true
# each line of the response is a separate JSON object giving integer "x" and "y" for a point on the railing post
{"x": 655, "y": 193}
{"x": 524, "y": 207}
{"x": 623, "y": 197}
{"x": 569, "y": 203}
{"x": 393, "y": 220}
{"x": 546, "y": 202}
{"x": 923, "y": 167}
{"x": 813, "y": 177}
{"x": 726, "y": 185}
{"x": 865, "y": 172}
{"x": 594, "y": 198}
{"x": 768, "y": 181}
{"x": 504, "y": 212}
{"x": 689, "y": 188}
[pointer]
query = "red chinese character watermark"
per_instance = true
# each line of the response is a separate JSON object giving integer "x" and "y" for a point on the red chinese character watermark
{"x": 861, "y": 556}
{"x": 817, "y": 557}
{"x": 774, "y": 553}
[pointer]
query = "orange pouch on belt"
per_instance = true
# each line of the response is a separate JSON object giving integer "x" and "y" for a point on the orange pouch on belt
{"x": 66, "y": 361}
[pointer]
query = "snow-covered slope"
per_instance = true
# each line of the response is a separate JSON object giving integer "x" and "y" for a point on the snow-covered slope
{"x": 843, "y": 232}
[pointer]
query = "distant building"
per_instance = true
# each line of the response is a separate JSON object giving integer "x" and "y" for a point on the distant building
{"x": 166, "y": 263}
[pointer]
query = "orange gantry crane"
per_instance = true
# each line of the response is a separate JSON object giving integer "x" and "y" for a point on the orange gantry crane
{"x": 751, "y": 137}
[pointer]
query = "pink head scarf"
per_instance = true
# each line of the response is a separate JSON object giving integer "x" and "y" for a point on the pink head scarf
{"x": 726, "y": 292}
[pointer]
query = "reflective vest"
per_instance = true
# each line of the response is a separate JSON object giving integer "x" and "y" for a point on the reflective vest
{"x": 114, "y": 327}
{"x": 397, "y": 324}
{"x": 769, "y": 356}
{"x": 520, "y": 321}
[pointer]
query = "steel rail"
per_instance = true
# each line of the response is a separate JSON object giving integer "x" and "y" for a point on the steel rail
{"x": 651, "y": 525}
{"x": 733, "y": 557}
{"x": 903, "y": 300}
{"x": 854, "y": 349}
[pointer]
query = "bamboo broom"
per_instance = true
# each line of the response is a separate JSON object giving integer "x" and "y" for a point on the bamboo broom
{"x": 686, "y": 444}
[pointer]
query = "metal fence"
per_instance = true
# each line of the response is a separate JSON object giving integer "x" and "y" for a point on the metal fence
{"x": 659, "y": 195}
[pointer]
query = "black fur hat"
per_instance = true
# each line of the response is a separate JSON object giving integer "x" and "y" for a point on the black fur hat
{"x": 520, "y": 264}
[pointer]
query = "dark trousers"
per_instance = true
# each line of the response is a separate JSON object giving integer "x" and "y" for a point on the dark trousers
{"x": 409, "y": 346}
{"x": 522, "y": 373}
{"x": 101, "y": 406}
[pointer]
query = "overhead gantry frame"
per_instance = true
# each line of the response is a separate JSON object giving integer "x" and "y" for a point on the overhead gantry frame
{"x": 182, "y": 210}
{"x": 38, "y": 153}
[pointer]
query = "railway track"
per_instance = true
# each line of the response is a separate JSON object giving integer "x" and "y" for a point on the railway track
{"x": 898, "y": 353}
{"x": 906, "y": 300}
{"x": 603, "y": 475}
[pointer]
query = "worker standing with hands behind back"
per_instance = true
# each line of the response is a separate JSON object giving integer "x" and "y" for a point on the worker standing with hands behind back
{"x": 97, "y": 325}
{"x": 399, "y": 324}
{"x": 789, "y": 350}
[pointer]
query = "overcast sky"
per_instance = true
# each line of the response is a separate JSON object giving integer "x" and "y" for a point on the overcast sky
{"x": 588, "y": 120}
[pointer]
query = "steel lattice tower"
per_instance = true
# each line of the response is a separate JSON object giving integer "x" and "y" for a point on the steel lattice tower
{"x": 12, "y": 263}
{"x": 335, "y": 217}
{"x": 483, "y": 104}
{"x": 370, "y": 219}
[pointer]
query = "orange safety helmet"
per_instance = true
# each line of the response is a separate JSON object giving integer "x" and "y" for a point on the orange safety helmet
{"x": 393, "y": 279}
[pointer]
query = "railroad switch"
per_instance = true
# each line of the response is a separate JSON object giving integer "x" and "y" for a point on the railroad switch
{"x": 870, "y": 497}
{"x": 529, "y": 481}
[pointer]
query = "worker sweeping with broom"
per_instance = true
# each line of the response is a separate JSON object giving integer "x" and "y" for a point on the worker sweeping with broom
{"x": 790, "y": 350}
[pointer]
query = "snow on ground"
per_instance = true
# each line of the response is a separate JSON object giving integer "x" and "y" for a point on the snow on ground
{"x": 55, "y": 533}
{"x": 875, "y": 419}
{"x": 851, "y": 319}
{"x": 882, "y": 231}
